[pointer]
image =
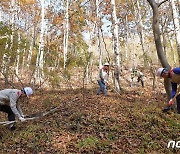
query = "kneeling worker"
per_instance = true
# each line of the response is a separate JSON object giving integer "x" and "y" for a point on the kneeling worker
{"x": 174, "y": 76}
{"x": 9, "y": 103}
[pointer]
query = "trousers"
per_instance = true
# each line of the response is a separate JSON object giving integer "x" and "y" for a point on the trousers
{"x": 102, "y": 87}
{"x": 7, "y": 109}
{"x": 178, "y": 103}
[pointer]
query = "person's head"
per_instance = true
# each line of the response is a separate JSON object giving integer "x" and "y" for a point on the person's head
{"x": 27, "y": 91}
{"x": 162, "y": 72}
{"x": 106, "y": 66}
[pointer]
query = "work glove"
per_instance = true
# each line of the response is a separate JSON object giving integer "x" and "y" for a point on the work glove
{"x": 171, "y": 102}
{"x": 166, "y": 109}
{"x": 22, "y": 119}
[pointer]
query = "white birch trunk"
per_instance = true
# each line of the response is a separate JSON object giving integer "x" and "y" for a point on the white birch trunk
{"x": 126, "y": 41}
{"x": 133, "y": 52}
{"x": 116, "y": 48}
{"x": 24, "y": 57}
{"x": 172, "y": 51}
{"x": 12, "y": 21}
{"x": 32, "y": 30}
{"x": 18, "y": 57}
{"x": 140, "y": 31}
{"x": 30, "y": 54}
{"x": 0, "y": 16}
{"x": 176, "y": 24}
{"x": 66, "y": 33}
{"x": 40, "y": 55}
{"x": 98, "y": 34}
{"x": 5, "y": 56}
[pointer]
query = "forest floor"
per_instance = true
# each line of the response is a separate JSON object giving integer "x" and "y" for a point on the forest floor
{"x": 130, "y": 122}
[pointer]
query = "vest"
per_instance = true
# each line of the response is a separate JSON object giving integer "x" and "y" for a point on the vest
{"x": 175, "y": 78}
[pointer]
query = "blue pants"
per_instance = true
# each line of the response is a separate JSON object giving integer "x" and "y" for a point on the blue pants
{"x": 102, "y": 87}
{"x": 178, "y": 103}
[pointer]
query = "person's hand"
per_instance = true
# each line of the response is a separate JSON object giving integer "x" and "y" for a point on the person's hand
{"x": 22, "y": 116}
{"x": 22, "y": 119}
{"x": 171, "y": 102}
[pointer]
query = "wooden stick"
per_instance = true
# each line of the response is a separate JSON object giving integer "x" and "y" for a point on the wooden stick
{"x": 40, "y": 114}
{"x": 11, "y": 122}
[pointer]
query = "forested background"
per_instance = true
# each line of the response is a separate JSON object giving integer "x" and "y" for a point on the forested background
{"x": 57, "y": 48}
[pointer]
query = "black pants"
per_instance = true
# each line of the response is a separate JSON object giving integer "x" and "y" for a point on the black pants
{"x": 7, "y": 109}
{"x": 140, "y": 78}
{"x": 178, "y": 103}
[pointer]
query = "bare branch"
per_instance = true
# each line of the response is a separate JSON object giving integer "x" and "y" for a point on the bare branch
{"x": 162, "y": 3}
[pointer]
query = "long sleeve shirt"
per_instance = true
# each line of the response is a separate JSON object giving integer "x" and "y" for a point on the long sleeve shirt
{"x": 104, "y": 76}
{"x": 175, "y": 79}
{"x": 10, "y": 97}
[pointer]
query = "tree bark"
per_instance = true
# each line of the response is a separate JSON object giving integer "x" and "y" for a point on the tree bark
{"x": 116, "y": 48}
{"x": 66, "y": 33}
{"x": 159, "y": 48}
{"x": 40, "y": 55}
{"x": 176, "y": 25}
{"x": 98, "y": 34}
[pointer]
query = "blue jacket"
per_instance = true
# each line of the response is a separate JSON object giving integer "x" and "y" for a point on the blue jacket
{"x": 174, "y": 75}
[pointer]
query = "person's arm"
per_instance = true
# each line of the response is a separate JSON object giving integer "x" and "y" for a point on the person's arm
{"x": 13, "y": 99}
{"x": 20, "y": 111}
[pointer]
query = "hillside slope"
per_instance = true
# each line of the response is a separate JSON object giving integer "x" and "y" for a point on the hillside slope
{"x": 131, "y": 123}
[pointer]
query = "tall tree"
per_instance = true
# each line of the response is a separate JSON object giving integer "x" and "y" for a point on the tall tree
{"x": 98, "y": 33}
{"x": 157, "y": 38}
{"x": 140, "y": 30}
{"x": 176, "y": 24}
{"x": 66, "y": 33}
{"x": 40, "y": 55}
{"x": 116, "y": 47}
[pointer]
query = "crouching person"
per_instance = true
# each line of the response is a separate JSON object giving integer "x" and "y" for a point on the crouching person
{"x": 140, "y": 78}
{"x": 9, "y": 103}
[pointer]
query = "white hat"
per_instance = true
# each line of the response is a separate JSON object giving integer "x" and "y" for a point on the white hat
{"x": 106, "y": 64}
{"x": 28, "y": 91}
{"x": 160, "y": 71}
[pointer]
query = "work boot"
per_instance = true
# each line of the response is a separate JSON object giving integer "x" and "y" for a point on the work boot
{"x": 12, "y": 127}
{"x": 166, "y": 109}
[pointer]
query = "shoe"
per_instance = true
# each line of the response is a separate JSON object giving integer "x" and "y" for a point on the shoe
{"x": 166, "y": 109}
{"x": 12, "y": 127}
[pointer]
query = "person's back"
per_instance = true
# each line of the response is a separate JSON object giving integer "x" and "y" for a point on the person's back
{"x": 7, "y": 94}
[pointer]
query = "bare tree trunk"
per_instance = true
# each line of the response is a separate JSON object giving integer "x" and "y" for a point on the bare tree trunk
{"x": 24, "y": 58}
{"x": 18, "y": 56}
{"x": 172, "y": 50}
{"x": 140, "y": 31}
{"x": 176, "y": 24}
{"x": 116, "y": 48}
{"x": 159, "y": 48}
{"x": 98, "y": 34}
{"x": 0, "y": 16}
{"x": 40, "y": 56}
{"x": 126, "y": 41}
{"x": 32, "y": 30}
{"x": 66, "y": 33}
{"x": 12, "y": 22}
